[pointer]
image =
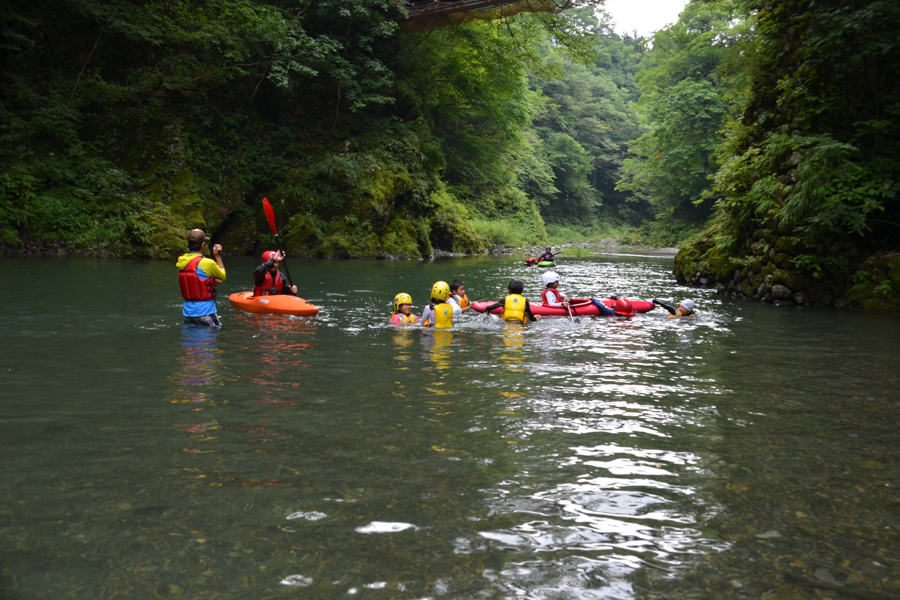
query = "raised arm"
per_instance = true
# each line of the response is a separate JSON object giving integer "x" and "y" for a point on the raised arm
{"x": 672, "y": 310}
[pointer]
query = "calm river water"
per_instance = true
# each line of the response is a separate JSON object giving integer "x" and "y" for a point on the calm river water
{"x": 750, "y": 452}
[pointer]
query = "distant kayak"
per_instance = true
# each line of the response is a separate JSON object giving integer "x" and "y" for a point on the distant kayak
{"x": 543, "y": 263}
{"x": 281, "y": 304}
{"x": 581, "y": 307}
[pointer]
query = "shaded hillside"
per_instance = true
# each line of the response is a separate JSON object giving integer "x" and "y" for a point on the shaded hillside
{"x": 806, "y": 206}
{"x": 126, "y": 123}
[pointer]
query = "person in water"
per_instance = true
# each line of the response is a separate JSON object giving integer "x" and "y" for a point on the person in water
{"x": 458, "y": 295}
{"x": 551, "y": 296}
{"x": 267, "y": 279}
{"x": 515, "y": 307}
{"x": 622, "y": 307}
{"x": 684, "y": 308}
{"x": 439, "y": 312}
{"x": 402, "y": 310}
{"x": 546, "y": 256}
{"x": 198, "y": 277}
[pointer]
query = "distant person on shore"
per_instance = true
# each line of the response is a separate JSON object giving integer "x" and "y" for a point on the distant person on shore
{"x": 403, "y": 310}
{"x": 458, "y": 295}
{"x": 685, "y": 308}
{"x": 546, "y": 256}
{"x": 267, "y": 279}
{"x": 515, "y": 306}
{"x": 198, "y": 277}
{"x": 551, "y": 296}
{"x": 439, "y": 312}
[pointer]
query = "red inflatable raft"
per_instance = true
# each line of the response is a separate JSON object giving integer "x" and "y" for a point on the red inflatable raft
{"x": 281, "y": 304}
{"x": 582, "y": 307}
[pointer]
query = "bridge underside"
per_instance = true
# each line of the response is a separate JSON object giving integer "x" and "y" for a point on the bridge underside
{"x": 429, "y": 14}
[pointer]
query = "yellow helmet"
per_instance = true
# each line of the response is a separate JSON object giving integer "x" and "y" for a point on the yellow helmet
{"x": 401, "y": 298}
{"x": 440, "y": 291}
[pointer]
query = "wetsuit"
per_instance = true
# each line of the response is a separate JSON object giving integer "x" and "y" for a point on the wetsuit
{"x": 546, "y": 256}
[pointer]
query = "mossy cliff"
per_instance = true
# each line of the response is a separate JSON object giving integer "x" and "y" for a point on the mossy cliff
{"x": 807, "y": 208}
{"x": 778, "y": 268}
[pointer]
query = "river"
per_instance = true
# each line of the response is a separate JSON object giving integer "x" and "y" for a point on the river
{"x": 749, "y": 452}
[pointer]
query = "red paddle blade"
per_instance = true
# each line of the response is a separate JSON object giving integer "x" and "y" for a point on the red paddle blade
{"x": 270, "y": 215}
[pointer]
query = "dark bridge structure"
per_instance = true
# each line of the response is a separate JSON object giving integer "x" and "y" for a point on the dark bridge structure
{"x": 429, "y": 14}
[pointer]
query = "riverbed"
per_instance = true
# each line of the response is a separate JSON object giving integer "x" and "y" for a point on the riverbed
{"x": 748, "y": 452}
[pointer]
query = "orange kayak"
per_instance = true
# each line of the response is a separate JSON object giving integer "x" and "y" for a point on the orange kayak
{"x": 281, "y": 304}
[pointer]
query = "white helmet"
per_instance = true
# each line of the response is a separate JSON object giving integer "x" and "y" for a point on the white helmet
{"x": 688, "y": 304}
{"x": 549, "y": 277}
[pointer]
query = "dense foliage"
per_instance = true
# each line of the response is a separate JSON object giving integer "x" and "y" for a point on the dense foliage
{"x": 807, "y": 187}
{"x": 125, "y": 122}
{"x": 584, "y": 126}
{"x": 684, "y": 103}
{"x": 817, "y": 149}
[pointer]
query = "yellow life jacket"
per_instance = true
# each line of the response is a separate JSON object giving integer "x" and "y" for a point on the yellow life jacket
{"x": 678, "y": 313}
{"x": 514, "y": 308}
{"x": 405, "y": 319}
{"x": 463, "y": 301}
{"x": 443, "y": 316}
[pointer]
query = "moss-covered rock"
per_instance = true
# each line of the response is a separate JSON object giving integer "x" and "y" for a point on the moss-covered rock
{"x": 157, "y": 233}
{"x": 451, "y": 226}
{"x": 877, "y": 284}
{"x": 381, "y": 218}
{"x": 786, "y": 245}
{"x": 795, "y": 280}
{"x": 768, "y": 270}
{"x": 402, "y": 239}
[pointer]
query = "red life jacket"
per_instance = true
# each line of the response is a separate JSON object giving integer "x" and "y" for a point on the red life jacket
{"x": 192, "y": 287}
{"x": 546, "y": 302}
{"x": 270, "y": 286}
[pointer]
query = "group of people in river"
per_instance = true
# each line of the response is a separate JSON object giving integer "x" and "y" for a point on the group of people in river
{"x": 450, "y": 300}
{"x": 198, "y": 277}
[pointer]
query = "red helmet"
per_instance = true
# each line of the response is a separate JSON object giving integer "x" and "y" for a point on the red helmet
{"x": 623, "y": 307}
{"x": 268, "y": 254}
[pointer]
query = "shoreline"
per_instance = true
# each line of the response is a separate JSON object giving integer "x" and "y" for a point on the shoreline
{"x": 583, "y": 249}
{"x": 569, "y": 250}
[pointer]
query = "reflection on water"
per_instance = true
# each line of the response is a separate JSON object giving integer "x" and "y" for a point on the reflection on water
{"x": 197, "y": 366}
{"x": 745, "y": 453}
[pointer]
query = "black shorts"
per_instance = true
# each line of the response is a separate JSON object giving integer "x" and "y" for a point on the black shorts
{"x": 206, "y": 320}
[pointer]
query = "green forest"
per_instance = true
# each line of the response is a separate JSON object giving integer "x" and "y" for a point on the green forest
{"x": 760, "y": 136}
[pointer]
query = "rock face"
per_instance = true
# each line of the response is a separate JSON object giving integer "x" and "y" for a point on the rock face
{"x": 876, "y": 284}
{"x": 774, "y": 268}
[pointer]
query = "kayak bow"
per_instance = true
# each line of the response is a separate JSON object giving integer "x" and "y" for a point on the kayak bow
{"x": 280, "y": 304}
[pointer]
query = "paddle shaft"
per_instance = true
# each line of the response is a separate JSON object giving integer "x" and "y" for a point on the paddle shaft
{"x": 569, "y": 308}
{"x": 284, "y": 260}
{"x": 270, "y": 217}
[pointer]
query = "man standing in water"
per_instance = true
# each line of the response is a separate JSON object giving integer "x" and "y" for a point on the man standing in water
{"x": 198, "y": 277}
